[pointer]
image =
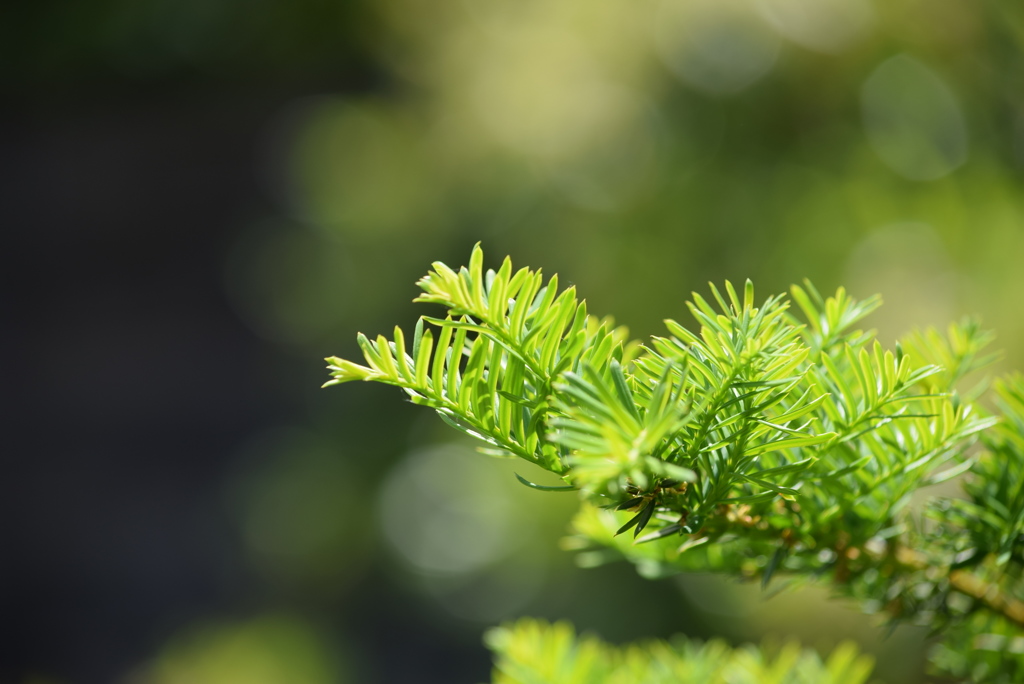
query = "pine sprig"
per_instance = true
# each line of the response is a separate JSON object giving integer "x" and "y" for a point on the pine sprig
{"x": 506, "y": 338}
{"x": 757, "y": 444}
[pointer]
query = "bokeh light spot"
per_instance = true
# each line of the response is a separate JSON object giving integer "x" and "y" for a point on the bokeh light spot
{"x": 912, "y": 120}
{"x": 828, "y": 26}
{"x": 717, "y": 48}
{"x": 446, "y": 510}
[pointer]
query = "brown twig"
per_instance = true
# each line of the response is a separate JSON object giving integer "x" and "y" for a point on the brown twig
{"x": 987, "y": 593}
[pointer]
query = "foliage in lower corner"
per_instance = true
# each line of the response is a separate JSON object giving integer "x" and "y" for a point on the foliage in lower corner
{"x": 983, "y": 648}
{"x": 534, "y": 652}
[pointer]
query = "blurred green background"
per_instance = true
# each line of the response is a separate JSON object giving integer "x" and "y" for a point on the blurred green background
{"x": 204, "y": 199}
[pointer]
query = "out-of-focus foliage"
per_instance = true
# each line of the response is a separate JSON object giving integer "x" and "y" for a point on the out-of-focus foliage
{"x": 830, "y": 140}
{"x": 767, "y": 445}
{"x": 993, "y": 513}
{"x": 266, "y": 650}
{"x": 984, "y": 529}
{"x": 532, "y": 652}
{"x": 985, "y": 648}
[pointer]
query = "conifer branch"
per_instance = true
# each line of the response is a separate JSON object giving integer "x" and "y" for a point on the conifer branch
{"x": 756, "y": 445}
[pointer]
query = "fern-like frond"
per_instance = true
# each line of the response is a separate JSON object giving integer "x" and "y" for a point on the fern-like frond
{"x": 959, "y": 353}
{"x": 548, "y": 330}
{"x": 489, "y": 368}
{"x": 620, "y": 440}
{"x": 747, "y": 437}
{"x": 829, "y": 320}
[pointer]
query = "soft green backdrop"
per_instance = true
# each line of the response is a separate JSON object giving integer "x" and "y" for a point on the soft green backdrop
{"x": 639, "y": 149}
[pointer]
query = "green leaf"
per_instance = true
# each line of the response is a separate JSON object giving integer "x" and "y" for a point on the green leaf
{"x": 644, "y": 518}
{"x": 666, "y": 531}
{"x": 622, "y": 389}
{"x": 785, "y": 492}
{"x": 788, "y": 469}
{"x": 773, "y": 564}
{"x": 639, "y": 520}
{"x": 949, "y": 473}
{"x": 424, "y": 346}
{"x": 790, "y": 443}
{"x": 544, "y": 488}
